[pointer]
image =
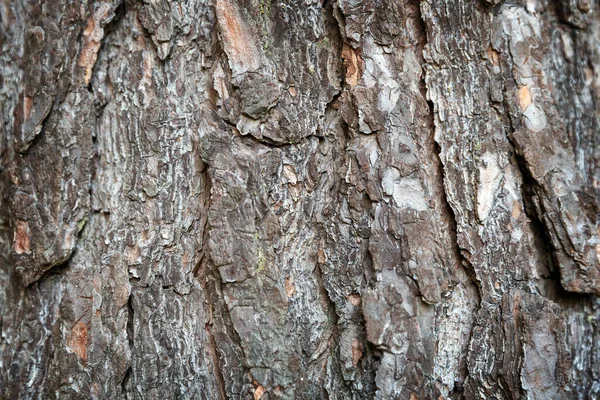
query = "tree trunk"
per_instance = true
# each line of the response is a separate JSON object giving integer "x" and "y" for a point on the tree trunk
{"x": 256, "y": 199}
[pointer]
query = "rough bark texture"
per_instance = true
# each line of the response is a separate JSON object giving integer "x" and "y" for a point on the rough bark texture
{"x": 299, "y": 199}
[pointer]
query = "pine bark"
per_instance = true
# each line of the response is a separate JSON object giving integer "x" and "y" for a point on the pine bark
{"x": 287, "y": 199}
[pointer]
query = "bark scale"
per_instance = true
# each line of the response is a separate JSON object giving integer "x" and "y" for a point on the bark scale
{"x": 299, "y": 199}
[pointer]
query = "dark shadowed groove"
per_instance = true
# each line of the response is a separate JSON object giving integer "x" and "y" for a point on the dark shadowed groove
{"x": 217, "y": 364}
{"x": 542, "y": 239}
{"x": 114, "y": 24}
{"x": 130, "y": 336}
{"x": 205, "y": 266}
{"x": 25, "y": 146}
{"x": 209, "y": 278}
{"x": 459, "y": 255}
{"x": 564, "y": 12}
{"x": 551, "y": 286}
{"x": 447, "y": 210}
{"x": 534, "y": 211}
{"x": 532, "y": 208}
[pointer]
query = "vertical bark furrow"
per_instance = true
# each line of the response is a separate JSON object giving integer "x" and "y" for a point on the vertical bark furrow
{"x": 393, "y": 180}
{"x": 545, "y": 139}
{"x": 483, "y": 187}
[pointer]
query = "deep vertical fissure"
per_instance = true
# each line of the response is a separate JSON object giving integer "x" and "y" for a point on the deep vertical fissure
{"x": 130, "y": 341}
{"x": 451, "y": 222}
{"x": 210, "y": 280}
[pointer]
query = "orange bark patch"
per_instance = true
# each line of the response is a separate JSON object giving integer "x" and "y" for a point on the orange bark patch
{"x": 493, "y": 55}
{"x": 289, "y": 287}
{"x": 21, "y": 239}
{"x": 321, "y": 256}
{"x": 78, "y": 340}
{"x": 357, "y": 352}
{"x": 516, "y": 210}
{"x": 237, "y": 40}
{"x": 27, "y": 106}
{"x": 290, "y": 174}
{"x": 92, "y": 35}
{"x": 524, "y": 97}
{"x": 89, "y": 52}
{"x": 133, "y": 253}
{"x": 258, "y": 392}
{"x": 354, "y": 298}
{"x": 353, "y": 64}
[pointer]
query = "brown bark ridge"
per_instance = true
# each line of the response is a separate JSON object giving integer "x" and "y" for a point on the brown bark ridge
{"x": 286, "y": 199}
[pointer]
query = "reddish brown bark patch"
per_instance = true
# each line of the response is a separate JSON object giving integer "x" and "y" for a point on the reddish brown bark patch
{"x": 353, "y": 64}
{"x": 21, "y": 240}
{"x": 92, "y": 35}
{"x": 357, "y": 352}
{"x": 27, "y": 106}
{"x": 289, "y": 287}
{"x": 237, "y": 40}
{"x": 354, "y": 299}
{"x": 259, "y": 392}
{"x": 78, "y": 340}
{"x": 524, "y": 97}
{"x": 321, "y": 256}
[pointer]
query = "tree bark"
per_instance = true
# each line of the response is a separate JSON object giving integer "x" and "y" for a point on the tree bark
{"x": 256, "y": 199}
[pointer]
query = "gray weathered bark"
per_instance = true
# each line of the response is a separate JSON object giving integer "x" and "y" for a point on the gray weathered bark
{"x": 263, "y": 199}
